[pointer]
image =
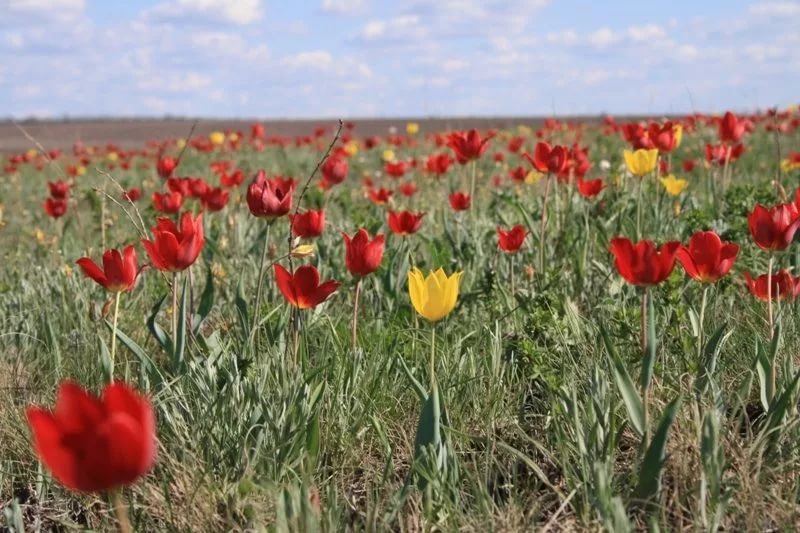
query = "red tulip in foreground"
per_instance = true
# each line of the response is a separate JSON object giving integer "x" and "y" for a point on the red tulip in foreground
{"x": 362, "y": 255}
{"x": 269, "y": 198}
{"x": 468, "y": 146}
{"x": 459, "y": 201}
{"x": 590, "y": 188}
{"x": 308, "y": 224}
{"x": 175, "y": 248}
{"x": 95, "y": 444}
{"x": 546, "y": 158}
{"x": 510, "y": 241}
{"x": 779, "y": 286}
{"x": 774, "y": 228}
{"x": 303, "y": 289}
{"x": 731, "y": 129}
{"x": 707, "y": 258}
{"x": 119, "y": 269}
{"x": 404, "y": 222}
{"x": 641, "y": 263}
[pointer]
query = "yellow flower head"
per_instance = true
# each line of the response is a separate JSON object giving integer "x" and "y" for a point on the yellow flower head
{"x": 112, "y": 156}
{"x": 678, "y": 130}
{"x": 351, "y": 148}
{"x": 787, "y": 165}
{"x": 32, "y": 152}
{"x": 81, "y": 170}
{"x": 388, "y": 155}
{"x": 303, "y": 250}
{"x": 433, "y": 296}
{"x": 180, "y": 143}
{"x": 412, "y": 128}
{"x": 673, "y": 185}
{"x": 533, "y": 177}
{"x": 216, "y": 137}
{"x": 641, "y": 161}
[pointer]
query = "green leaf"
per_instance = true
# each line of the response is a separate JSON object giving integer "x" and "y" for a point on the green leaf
{"x": 144, "y": 359}
{"x": 105, "y": 360}
{"x": 653, "y": 463}
{"x": 633, "y": 403}
{"x": 711, "y": 353}
{"x": 429, "y": 435}
{"x": 241, "y": 308}
{"x": 158, "y": 333}
{"x": 312, "y": 441}
{"x": 206, "y": 300}
{"x": 178, "y": 355}
{"x": 649, "y": 359}
{"x": 418, "y": 388}
{"x": 764, "y": 370}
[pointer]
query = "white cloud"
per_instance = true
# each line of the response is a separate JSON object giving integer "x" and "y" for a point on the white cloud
{"x": 239, "y": 12}
{"x": 404, "y": 27}
{"x": 176, "y": 82}
{"x": 603, "y": 37}
{"x": 316, "y": 59}
{"x": 648, "y": 32}
{"x": 344, "y": 7}
{"x": 36, "y": 12}
{"x": 779, "y": 9}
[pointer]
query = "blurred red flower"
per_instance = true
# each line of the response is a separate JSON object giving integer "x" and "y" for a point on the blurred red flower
{"x": 460, "y": 201}
{"x": 548, "y": 159}
{"x": 168, "y": 202}
{"x": 404, "y": 222}
{"x": 510, "y": 241}
{"x": 468, "y": 146}
{"x": 308, "y": 224}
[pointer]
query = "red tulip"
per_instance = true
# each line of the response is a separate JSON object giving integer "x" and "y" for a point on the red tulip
{"x": 438, "y": 164}
{"x": 54, "y": 207}
{"x": 707, "y": 258}
{"x": 269, "y": 198}
{"x": 58, "y": 189}
{"x": 548, "y": 159}
{"x": 309, "y": 224}
{"x": 468, "y": 146}
{"x": 395, "y": 169}
{"x": 641, "y": 264}
{"x": 95, "y": 444}
{"x": 198, "y": 187}
{"x": 731, "y": 129}
{"x": 460, "y": 201}
{"x": 215, "y": 199}
{"x": 518, "y": 173}
{"x": 718, "y": 154}
{"x": 132, "y": 195}
{"x": 231, "y": 180}
{"x": 511, "y": 241}
{"x": 334, "y": 170}
{"x": 180, "y": 185}
{"x": 379, "y": 196}
{"x": 168, "y": 202}
{"x": 663, "y": 137}
{"x": 773, "y": 229}
{"x": 637, "y": 136}
{"x": 783, "y": 286}
{"x": 119, "y": 269}
{"x": 688, "y": 165}
{"x": 408, "y": 189}
{"x": 173, "y": 249}
{"x": 405, "y": 222}
{"x": 362, "y": 255}
{"x": 166, "y": 166}
{"x": 302, "y": 289}
{"x": 257, "y": 131}
{"x": 590, "y": 188}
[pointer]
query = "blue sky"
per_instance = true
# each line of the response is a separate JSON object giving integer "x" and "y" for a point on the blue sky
{"x": 356, "y": 58}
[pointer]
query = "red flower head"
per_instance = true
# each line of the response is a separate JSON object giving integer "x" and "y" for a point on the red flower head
{"x": 269, "y": 198}
{"x": 637, "y": 136}
{"x": 511, "y": 241}
{"x": 731, "y": 129}
{"x": 257, "y": 131}
{"x": 215, "y": 199}
{"x": 231, "y": 180}
{"x": 173, "y": 249}
{"x": 408, "y": 189}
{"x": 438, "y": 164}
{"x": 335, "y": 169}
{"x": 95, "y": 444}
{"x": 119, "y": 269}
{"x": 783, "y": 286}
{"x": 718, "y": 154}
{"x": 663, "y": 137}
{"x": 518, "y": 173}
{"x": 309, "y": 224}
{"x": 641, "y": 264}
{"x": 548, "y": 159}
{"x": 379, "y": 196}
{"x": 707, "y": 258}
{"x": 688, "y": 165}
{"x": 405, "y": 222}
{"x": 198, "y": 187}
{"x": 54, "y": 207}
{"x": 168, "y": 202}
{"x": 773, "y": 229}
{"x": 468, "y": 146}
{"x": 362, "y": 255}
{"x": 166, "y": 166}
{"x": 590, "y": 188}
{"x": 180, "y": 185}
{"x": 395, "y": 169}
{"x": 302, "y": 289}
{"x": 460, "y": 201}
{"x": 515, "y": 143}
{"x": 59, "y": 189}
{"x": 133, "y": 194}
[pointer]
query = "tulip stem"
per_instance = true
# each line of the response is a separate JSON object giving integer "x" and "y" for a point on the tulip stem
{"x": 355, "y": 312}
{"x": 472, "y": 191}
{"x": 511, "y": 264}
{"x": 174, "y": 308}
{"x": 769, "y": 297}
{"x": 639, "y": 210}
{"x": 114, "y": 336}
{"x": 433, "y": 357}
{"x": 543, "y": 224}
{"x": 261, "y": 270}
{"x": 700, "y": 330}
{"x": 121, "y": 511}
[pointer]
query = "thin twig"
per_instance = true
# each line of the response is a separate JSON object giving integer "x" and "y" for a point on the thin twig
{"x": 41, "y": 149}
{"x": 186, "y": 142}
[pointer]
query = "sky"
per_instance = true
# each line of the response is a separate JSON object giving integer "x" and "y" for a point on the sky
{"x": 407, "y": 58}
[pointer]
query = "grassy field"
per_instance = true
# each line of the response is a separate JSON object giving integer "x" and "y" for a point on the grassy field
{"x": 542, "y": 420}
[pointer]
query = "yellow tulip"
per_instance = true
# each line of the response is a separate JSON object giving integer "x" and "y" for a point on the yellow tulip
{"x": 81, "y": 170}
{"x": 673, "y": 185}
{"x": 678, "y": 129}
{"x": 412, "y": 128}
{"x": 433, "y": 296}
{"x": 388, "y": 155}
{"x": 351, "y": 148}
{"x": 112, "y": 156}
{"x": 641, "y": 161}
{"x": 216, "y": 137}
{"x": 533, "y": 177}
